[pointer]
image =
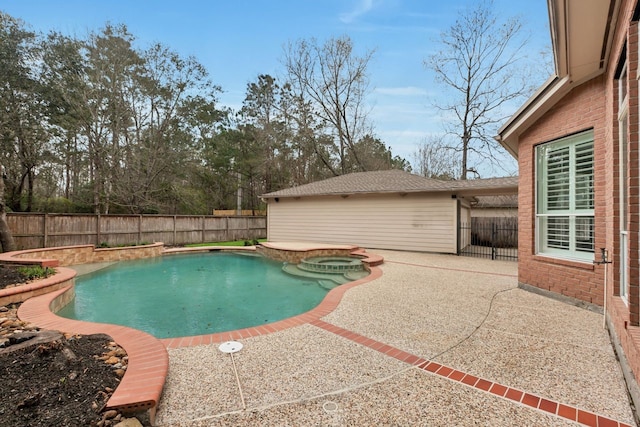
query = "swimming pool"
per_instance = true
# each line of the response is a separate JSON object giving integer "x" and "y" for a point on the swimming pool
{"x": 195, "y": 294}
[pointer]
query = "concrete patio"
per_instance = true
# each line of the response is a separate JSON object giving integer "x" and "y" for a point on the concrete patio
{"x": 437, "y": 340}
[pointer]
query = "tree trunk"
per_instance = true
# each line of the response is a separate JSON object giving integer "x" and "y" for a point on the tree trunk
{"x": 7, "y": 243}
{"x": 29, "y": 190}
{"x": 465, "y": 149}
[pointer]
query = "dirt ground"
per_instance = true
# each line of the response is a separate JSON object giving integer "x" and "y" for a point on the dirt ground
{"x": 48, "y": 379}
{"x": 9, "y": 276}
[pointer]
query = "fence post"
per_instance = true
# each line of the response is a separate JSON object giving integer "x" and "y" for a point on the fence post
{"x": 45, "y": 236}
{"x": 139, "y": 228}
{"x": 98, "y": 230}
{"x": 175, "y": 231}
{"x": 494, "y": 238}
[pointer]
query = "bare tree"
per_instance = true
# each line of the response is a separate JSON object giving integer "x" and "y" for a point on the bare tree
{"x": 336, "y": 81}
{"x": 313, "y": 150}
{"x": 480, "y": 64}
{"x": 262, "y": 111}
{"x": 435, "y": 159}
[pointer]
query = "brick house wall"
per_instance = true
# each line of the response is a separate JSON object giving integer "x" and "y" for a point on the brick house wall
{"x": 582, "y": 109}
{"x": 594, "y": 105}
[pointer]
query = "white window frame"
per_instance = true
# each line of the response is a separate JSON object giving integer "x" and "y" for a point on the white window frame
{"x": 623, "y": 196}
{"x": 572, "y": 217}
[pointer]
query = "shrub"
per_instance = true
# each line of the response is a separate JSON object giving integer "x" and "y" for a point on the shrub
{"x": 104, "y": 245}
{"x": 33, "y": 272}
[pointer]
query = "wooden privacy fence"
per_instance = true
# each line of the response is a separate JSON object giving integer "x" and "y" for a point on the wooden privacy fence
{"x": 36, "y": 230}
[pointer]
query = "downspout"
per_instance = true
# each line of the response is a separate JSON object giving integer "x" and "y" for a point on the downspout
{"x": 604, "y": 260}
{"x": 457, "y": 224}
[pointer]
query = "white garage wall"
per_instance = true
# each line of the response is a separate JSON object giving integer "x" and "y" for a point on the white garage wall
{"x": 465, "y": 220}
{"x": 494, "y": 212}
{"x": 415, "y": 222}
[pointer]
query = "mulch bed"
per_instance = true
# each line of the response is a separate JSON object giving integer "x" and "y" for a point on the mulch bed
{"x": 56, "y": 383}
{"x": 9, "y": 276}
{"x": 49, "y": 379}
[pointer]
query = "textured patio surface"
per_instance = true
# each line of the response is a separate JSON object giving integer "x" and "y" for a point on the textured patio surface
{"x": 509, "y": 357}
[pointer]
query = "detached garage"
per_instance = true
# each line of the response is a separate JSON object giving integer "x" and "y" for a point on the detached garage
{"x": 379, "y": 210}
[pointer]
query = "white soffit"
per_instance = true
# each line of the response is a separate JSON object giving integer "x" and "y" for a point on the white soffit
{"x": 581, "y": 34}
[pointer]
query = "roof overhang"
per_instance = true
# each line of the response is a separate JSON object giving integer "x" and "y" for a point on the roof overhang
{"x": 473, "y": 192}
{"x": 542, "y": 100}
{"x": 581, "y": 35}
{"x": 456, "y": 188}
{"x": 457, "y": 191}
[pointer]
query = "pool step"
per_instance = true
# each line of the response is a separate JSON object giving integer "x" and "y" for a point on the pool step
{"x": 334, "y": 278}
{"x": 327, "y": 284}
{"x": 337, "y": 279}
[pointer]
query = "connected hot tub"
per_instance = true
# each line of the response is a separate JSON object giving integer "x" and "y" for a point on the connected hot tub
{"x": 331, "y": 264}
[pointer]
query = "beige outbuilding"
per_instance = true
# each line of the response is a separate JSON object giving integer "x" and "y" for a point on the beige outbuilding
{"x": 381, "y": 209}
{"x": 505, "y": 206}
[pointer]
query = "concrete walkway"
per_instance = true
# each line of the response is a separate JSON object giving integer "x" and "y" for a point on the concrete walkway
{"x": 437, "y": 340}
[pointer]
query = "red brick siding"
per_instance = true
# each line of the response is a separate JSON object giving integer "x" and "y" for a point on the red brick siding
{"x": 583, "y": 108}
{"x": 633, "y": 178}
{"x": 594, "y": 104}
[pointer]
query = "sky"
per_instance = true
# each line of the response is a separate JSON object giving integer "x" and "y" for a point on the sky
{"x": 240, "y": 39}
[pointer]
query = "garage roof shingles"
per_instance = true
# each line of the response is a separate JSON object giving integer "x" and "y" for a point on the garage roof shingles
{"x": 389, "y": 181}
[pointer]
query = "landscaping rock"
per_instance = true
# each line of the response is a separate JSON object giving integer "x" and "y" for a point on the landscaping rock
{"x": 112, "y": 360}
{"x": 129, "y": 422}
{"x": 110, "y": 414}
{"x": 19, "y": 337}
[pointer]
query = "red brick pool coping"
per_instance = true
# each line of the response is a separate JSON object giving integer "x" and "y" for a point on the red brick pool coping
{"x": 143, "y": 381}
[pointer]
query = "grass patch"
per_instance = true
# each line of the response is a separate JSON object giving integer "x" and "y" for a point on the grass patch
{"x": 230, "y": 243}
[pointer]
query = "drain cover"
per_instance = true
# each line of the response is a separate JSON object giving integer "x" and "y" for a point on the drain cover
{"x": 330, "y": 407}
{"x": 230, "y": 347}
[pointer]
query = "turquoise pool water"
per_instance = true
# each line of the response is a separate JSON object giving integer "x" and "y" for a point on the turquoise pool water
{"x": 194, "y": 294}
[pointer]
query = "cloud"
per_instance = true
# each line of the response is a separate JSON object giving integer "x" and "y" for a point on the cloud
{"x": 406, "y": 136}
{"x": 362, "y": 7}
{"x": 402, "y": 91}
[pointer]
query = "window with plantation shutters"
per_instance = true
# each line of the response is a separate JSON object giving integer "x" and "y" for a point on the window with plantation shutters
{"x": 558, "y": 179}
{"x": 584, "y": 176}
{"x": 564, "y": 199}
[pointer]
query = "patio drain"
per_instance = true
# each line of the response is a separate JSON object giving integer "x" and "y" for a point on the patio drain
{"x": 330, "y": 407}
{"x": 229, "y": 348}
